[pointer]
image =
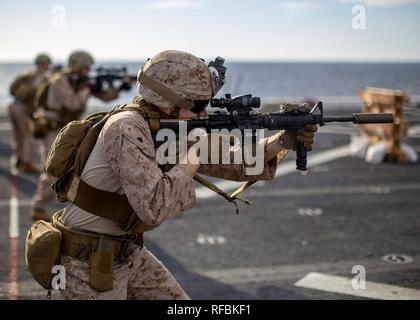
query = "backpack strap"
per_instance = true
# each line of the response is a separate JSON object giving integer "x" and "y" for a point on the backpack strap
{"x": 105, "y": 204}
{"x": 72, "y": 188}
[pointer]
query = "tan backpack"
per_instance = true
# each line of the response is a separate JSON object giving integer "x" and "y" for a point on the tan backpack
{"x": 66, "y": 160}
{"x": 22, "y": 89}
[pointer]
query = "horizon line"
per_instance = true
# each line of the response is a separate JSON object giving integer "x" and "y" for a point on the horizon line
{"x": 234, "y": 60}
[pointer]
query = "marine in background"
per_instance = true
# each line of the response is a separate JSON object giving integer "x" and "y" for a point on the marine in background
{"x": 24, "y": 89}
{"x": 63, "y": 99}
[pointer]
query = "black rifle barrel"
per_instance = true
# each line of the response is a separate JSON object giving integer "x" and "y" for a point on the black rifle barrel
{"x": 277, "y": 121}
{"x": 361, "y": 118}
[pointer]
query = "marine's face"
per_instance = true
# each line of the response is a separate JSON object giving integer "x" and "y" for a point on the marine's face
{"x": 44, "y": 67}
{"x": 84, "y": 71}
{"x": 185, "y": 114}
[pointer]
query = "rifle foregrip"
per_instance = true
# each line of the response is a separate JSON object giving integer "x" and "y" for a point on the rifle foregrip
{"x": 301, "y": 157}
{"x": 362, "y": 118}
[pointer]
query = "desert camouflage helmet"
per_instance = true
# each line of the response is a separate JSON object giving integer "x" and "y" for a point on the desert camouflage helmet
{"x": 79, "y": 60}
{"x": 42, "y": 58}
{"x": 175, "y": 78}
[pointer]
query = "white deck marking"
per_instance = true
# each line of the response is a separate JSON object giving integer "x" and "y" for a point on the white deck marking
{"x": 310, "y": 212}
{"x": 13, "y": 204}
{"x": 364, "y": 189}
{"x": 234, "y": 276}
{"x": 210, "y": 239}
{"x": 21, "y": 203}
{"x": 14, "y": 218}
{"x": 414, "y": 131}
{"x": 5, "y": 126}
{"x": 13, "y": 258}
{"x": 336, "y": 129}
{"x": 343, "y": 285}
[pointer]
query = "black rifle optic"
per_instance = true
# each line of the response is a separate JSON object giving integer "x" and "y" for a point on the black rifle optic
{"x": 108, "y": 78}
{"x": 238, "y": 113}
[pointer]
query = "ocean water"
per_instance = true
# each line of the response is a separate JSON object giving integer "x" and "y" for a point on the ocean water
{"x": 329, "y": 81}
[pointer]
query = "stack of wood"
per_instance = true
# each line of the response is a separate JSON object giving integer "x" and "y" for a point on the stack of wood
{"x": 393, "y": 134}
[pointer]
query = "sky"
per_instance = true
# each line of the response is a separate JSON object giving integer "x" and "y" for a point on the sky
{"x": 249, "y": 30}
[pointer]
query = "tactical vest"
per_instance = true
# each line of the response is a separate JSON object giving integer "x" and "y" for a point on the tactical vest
{"x": 64, "y": 115}
{"x": 22, "y": 89}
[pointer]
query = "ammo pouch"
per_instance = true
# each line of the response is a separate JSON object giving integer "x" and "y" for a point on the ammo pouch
{"x": 101, "y": 262}
{"x": 40, "y": 126}
{"x": 42, "y": 251}
{"x": 99, "y": 250}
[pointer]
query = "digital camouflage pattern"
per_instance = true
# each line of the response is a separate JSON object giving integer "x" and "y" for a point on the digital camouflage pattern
{"x": 23, "y": 89}
{"x": 44, "y": 194}
{"x": 60, "y": 94}
{"x": 141, "y": 277}
{"x": 181, "y": 72}
{"x": 79, "y": 60}
{"x": 124, "y": 161}
{"x": 42, "y": 58}
{"x": 23, "y": 142}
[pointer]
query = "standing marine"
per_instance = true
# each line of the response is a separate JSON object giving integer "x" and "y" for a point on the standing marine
{"x": 61, "y": 100}
{"x": 122, "y": 191}
{"x": 23, "y": 89}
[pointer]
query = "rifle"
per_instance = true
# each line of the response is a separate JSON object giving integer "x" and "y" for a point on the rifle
{"x": 57, "y": 68}
{"x": 107, "y": 77}
{"x": 238, "y": 113}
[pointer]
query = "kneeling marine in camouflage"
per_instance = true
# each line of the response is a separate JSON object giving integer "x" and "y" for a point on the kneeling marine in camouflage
{"x": 102, "y": 249}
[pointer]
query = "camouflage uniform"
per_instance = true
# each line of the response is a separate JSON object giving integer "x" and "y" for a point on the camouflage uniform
{"x": 60, "y": 94}
{"x": 24, "y": 88}
{"x": 124, "y": 161}
{"x": 141, "y": 277}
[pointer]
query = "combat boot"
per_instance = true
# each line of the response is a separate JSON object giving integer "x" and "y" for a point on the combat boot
{"x": 40, "y": 214}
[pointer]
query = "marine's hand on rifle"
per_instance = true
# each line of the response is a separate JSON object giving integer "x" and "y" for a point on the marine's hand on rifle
{"x": 304, "y": 135}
